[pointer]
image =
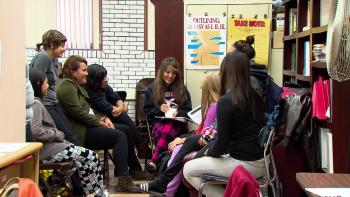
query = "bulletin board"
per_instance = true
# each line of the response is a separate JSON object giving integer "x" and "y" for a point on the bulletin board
{"x": 205, "y": 41}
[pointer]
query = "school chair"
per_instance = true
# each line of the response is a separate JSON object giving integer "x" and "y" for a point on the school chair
{"x": 270, "y": 178}
{"x": 142, "y": 124}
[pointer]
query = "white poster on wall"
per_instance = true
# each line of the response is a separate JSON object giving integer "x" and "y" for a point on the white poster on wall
{"x": 205, "y": 45}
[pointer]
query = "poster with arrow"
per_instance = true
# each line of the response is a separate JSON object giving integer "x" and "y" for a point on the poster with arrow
{"x": 205, "y": 42}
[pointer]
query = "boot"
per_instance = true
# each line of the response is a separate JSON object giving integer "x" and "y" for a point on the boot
{"x": 125, "y": 184}
{"x": 140, "y": 175}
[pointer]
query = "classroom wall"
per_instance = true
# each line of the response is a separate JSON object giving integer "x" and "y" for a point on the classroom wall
{"x": 12, "y": 71}
{"x": 122, "y": 51}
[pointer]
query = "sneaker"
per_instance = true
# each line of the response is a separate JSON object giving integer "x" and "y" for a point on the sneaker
{"x": 145, "y": 188}
{"x": 125, "y": 184}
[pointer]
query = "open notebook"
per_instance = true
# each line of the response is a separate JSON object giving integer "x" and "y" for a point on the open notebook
{"x": 181, "y": 119}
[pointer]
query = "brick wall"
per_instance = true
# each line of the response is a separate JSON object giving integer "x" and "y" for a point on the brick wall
{"x": 122, "y": 51}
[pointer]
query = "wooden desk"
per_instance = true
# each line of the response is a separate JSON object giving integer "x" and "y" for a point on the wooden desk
{"x": 322, "y": 180}
{"x": 19, "y": 159}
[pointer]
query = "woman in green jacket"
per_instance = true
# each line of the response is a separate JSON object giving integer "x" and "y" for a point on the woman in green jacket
{"x": 96, "y": 133}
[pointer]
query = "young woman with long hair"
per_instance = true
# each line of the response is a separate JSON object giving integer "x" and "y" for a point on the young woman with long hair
{"x": 167, "y": 89}
{"x": 56, "y": 149}
{"x": 240, "y": 116}
{"x": 169, "y": 180}
{"x": 105, "y": 101}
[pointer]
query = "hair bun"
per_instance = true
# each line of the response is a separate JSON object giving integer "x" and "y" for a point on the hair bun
{"x": 250, "y": 40}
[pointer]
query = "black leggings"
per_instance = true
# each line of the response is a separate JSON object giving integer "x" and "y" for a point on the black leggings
{"x": 99, "y": 138}
{"x": 133, "y": 162}
{"x": 62, "y": 123}
{"x": 124, "y": 119}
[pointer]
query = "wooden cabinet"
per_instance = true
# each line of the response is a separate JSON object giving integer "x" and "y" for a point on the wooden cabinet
{"x": 300, "y": 67}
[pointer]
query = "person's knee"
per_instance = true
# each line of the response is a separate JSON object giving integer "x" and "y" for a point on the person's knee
{"x": 120, "y": 136}
{"x": 187, "y": 170}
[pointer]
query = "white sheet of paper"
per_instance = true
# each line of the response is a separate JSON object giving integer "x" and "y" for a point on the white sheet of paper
{"x": 330, "y": 192}
{"x": 11, "y": 147}
{"x": 195, "y": 115}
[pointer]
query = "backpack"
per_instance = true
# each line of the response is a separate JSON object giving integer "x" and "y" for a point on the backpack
{"x": 270, "y": 92}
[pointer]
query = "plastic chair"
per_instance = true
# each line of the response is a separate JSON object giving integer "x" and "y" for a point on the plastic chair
{"x": 142, "y": 123}
{"x": 269, "y": 180}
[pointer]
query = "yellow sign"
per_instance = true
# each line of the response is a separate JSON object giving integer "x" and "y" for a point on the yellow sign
{"x": 239, "y": 29}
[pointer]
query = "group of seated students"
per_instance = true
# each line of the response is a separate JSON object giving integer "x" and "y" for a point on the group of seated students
{"x": 233, "y": 114}
{"x": 83, "y": 113}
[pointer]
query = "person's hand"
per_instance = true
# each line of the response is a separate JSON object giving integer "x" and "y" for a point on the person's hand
{"x": 103, "y": 124}
{"x": 175, "y": 113}
{"x": 109, "y": 123}
{"x": 106, "y": 123}
{"x": 125, "y": 107}
{"x": 174, "y": 143}
{"x": 116, "y": 111}
{"x": 164, "y": 108}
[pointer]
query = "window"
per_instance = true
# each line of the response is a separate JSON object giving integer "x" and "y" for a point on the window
{"x": 78, "y": 20}
{"x": 75, "y": 21}
{"x": 149, "y": 26}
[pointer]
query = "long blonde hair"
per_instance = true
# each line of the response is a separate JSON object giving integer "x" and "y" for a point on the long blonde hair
{"x": 210, "y": 92}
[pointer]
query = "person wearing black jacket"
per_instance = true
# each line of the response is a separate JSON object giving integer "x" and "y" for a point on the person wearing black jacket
{"x": 167, "y": 94}
{"x": 240, "y": 116}
{"x": 106, "y": 102}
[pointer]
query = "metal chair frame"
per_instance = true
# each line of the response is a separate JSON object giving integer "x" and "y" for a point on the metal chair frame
{"x": 142, "y": 122}
{"x": 268, "y": 180}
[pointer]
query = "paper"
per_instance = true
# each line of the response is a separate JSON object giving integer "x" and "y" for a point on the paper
{"x": 195, "y": 115}
{"x": 330, "y": 192}
{"x": 11, "y": 147}
{"x": 170, "y": 113}
{"x": 181, "y": 119}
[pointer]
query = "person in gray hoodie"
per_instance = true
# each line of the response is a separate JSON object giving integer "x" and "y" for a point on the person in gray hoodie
{"x": 55, "y": 148}
{"x": 29, "y": 109}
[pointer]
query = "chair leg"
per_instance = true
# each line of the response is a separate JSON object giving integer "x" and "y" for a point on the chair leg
{"x": 200, "y": 191}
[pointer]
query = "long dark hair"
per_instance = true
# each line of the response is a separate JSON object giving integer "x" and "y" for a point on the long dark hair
{"x": 37, "y": 78}
{"x": 245, "y": 46}
{"x": 177, "y": 86}
{"x": 96, "y": 74}
{"x": 235, "y": 79}
{"x": 51, "y": 38}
